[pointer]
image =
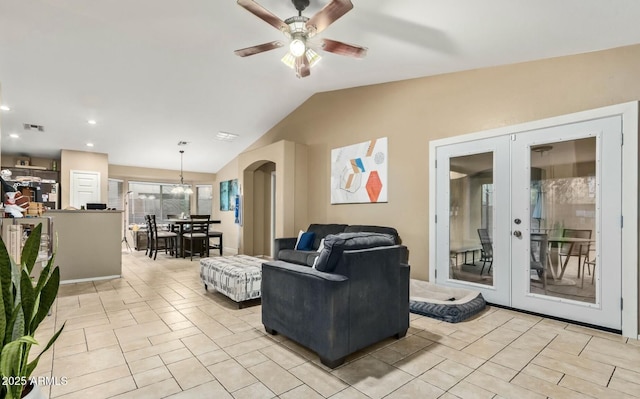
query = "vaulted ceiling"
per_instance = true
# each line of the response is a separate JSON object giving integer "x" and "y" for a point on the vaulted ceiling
{"x": 152, "y": 73}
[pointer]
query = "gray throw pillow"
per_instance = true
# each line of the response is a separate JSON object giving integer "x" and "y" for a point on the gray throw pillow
{"x": 336, "y": 244}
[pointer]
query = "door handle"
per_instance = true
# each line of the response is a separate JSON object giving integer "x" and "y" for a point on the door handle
{"x": 517, "y": 233}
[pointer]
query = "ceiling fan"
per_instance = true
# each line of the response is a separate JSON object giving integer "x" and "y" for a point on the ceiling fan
{"x": 300, "y": 30}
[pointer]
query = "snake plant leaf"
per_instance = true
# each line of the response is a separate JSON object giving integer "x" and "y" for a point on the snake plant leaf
{"x": 11, "y": 354}
{"x": 47, "y": 296}
{"x": 9, "y": 329}
{"x": 31, "y": 248}
{"x": 31, "y": 366}
{"x": 44, "y": 275}
{"x": 28, "y": 297}
{"x": 22, "y": 309}
{"x": 10, "y": 358}
{"x": 5, "y": 280}
{"x": 3, "y": 322}
{"x": 10, "y": 364}
{"x": 46, "y": 271}
{"x": 18, "y": 324}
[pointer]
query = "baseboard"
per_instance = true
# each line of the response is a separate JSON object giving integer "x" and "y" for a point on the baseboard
{"x": 85, "y": 280}
{"x": 230, "y": 251}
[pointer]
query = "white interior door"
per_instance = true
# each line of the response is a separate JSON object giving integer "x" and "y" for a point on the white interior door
{"x": 555, "y": 191}
{"x": 472, "y": 194}
{"x": 566, "y": 192}
{"x": 85, "y": 188}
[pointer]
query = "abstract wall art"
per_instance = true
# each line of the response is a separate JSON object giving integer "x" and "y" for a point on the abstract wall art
{"x": 228, "y": 192}
{"x": 359, "y": 173}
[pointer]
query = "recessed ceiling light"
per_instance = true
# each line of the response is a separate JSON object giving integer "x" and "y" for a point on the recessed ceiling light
{"x": 5, "y": 108}
{"x": 91, "y": 122}
{"x": 225, "y": 136}
{"x": 14, "y": 135}
{"x": 89, "y": 144}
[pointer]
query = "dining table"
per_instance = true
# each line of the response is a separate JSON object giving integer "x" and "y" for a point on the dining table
{"x": 555, "y": 243}
{"x": 182, "y": 224}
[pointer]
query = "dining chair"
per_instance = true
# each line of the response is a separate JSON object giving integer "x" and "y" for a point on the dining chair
{"x": 149, "y": 249}
{"x": 215, "y": 245}
{"x": 198, "y": 235}
{"x": 539, "y": 245}
{"x": 486, "y": 252}
{"x": 581, "y": 250}
{"x": 589, "y": 262}
{"x": 173, "y": 227}
{"x": 169, "y": 239}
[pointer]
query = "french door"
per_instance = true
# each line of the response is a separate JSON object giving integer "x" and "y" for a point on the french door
{"x": 532, "y": 219}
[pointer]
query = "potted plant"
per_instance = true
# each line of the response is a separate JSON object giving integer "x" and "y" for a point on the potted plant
{"x": 25, "y": 303}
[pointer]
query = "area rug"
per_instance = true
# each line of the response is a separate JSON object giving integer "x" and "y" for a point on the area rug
{"x": 452, "y": 305}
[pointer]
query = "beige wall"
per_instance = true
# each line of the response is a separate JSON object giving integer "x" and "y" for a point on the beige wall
{"x": 290, "y": 161}
{"x": 159, "y": 175}
{"x": 132, "y": 173}
{"x": 228, "y": 228}
{"x": 83, "y": 161}
{"x": 413, "y": 112}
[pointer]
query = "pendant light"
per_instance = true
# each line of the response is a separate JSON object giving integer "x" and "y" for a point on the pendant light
{"x": 181, "y": 188}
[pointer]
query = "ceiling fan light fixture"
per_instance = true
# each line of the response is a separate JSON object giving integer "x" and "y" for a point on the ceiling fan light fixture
{"x": 300, "y": 31}
{"x": 313, "y": 57}
{"x": 297, "y": 47}
{"x": 289, "y": 60}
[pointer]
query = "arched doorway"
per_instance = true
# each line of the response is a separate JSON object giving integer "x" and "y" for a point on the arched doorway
{"x": 259, "y": 180}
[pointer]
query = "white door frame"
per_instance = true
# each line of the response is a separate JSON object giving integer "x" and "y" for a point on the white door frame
{"x": 629, "y": 112}
{"x": 500, "y": 291}
{"x": 605, "y": 310}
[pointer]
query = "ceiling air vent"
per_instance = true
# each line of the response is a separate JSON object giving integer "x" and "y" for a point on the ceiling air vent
{"x": 31, "y": 126}
{"x": 226, "y": 136}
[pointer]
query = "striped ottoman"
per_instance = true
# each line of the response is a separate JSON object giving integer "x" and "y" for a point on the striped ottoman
{"x": 238, "y": 277}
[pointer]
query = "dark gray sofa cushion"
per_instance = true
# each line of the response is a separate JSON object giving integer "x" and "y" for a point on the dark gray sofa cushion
{"x": 297, "y": 256}
{"x": 356, "y": 228}
{"x": 336, "y": 244}
{"x": 323, "y": 230}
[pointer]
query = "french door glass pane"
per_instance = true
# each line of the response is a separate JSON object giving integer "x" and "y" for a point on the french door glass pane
{"x": 471, "y": 218}
{"x": 563, "y": 219}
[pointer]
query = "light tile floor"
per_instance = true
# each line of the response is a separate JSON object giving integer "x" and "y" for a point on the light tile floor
{"x": 156, "y": 333}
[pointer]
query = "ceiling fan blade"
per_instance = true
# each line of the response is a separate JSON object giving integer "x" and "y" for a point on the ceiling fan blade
{"x": 340, "y": 48}
{"x": 262, "y": 13}
{"x": 245, "y": 52}
{"x": 302, "y": 67}
{"x": 328, "y": 15}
